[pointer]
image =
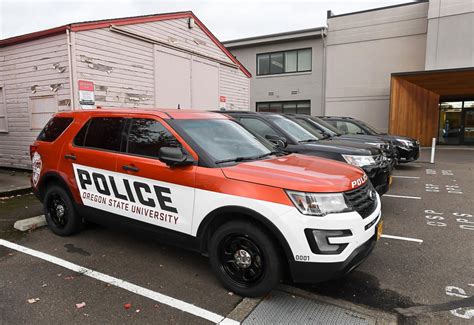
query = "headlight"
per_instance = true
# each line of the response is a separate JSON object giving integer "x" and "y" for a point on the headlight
{"x": 317, "y": 204}
{"x": 405, "y": 143}
{"x": 359, "y": 161}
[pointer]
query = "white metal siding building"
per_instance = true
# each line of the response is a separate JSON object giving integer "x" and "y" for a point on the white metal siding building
{"x": 167, "y": 61}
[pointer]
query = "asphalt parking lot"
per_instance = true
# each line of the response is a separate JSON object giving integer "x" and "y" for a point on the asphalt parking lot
{"x": 425, "y": 274}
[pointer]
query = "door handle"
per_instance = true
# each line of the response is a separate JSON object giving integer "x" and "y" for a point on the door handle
{"x": 130, "y": 168}
{"x": 70, "y": 156}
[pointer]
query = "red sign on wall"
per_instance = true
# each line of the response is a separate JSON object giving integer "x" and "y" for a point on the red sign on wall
{"x": 86, "y": 94}
{"x": 222, "y": 99}
{"x": 86, "y": 85}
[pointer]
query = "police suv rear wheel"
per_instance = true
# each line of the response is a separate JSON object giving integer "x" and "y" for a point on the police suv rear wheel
{"x": 61, "y": 216}
{"x": 245, "y": 259}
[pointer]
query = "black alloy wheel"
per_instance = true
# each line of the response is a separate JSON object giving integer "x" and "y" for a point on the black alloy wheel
{"x": 241, "y": 259}
{"x": 60, "y": 212}
{"x": 57, "y": 211}
{"x": 245, "y": 258}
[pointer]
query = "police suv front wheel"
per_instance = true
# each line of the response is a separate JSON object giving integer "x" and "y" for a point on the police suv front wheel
{"x": 245, "y": 259}
{"x": 61, "y": 216}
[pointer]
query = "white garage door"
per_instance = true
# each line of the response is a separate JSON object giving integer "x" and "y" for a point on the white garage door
{"x": 172, "y": 79}
{"x": 185, "y": 80}
{"x": 205, "y": 85}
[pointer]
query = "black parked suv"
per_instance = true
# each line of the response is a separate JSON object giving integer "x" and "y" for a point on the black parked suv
{"x": 408, "y": 148}
{"x": 294, "y": 138}
{"x": 323, "y": 129}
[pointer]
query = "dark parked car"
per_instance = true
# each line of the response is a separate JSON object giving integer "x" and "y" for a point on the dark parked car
{"x": 296, "y": 139}
{"x": 323, "y": 129}
{"x": 408, "y": 148}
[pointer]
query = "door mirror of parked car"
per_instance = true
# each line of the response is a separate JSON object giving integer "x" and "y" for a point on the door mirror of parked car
{"x": 174, "y": 156}
{"x": 280, "y": 142}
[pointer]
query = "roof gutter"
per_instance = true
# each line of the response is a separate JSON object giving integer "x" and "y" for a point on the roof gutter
{"x": 147, "y": 39}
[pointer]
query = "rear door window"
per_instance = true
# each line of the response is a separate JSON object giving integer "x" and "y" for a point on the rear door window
{"x": 259, "y": 127}
{"x": 103, "y": 133}
{"x": 349, "y": 127}
{"x": 54, "y": 128}
{"x": 147, "y": 136}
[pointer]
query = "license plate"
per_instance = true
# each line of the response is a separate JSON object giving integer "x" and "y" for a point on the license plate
{"x": 379, "y": 229}
{"x": 390, "y": 178}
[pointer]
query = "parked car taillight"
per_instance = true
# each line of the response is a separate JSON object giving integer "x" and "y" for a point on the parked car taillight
{"x": 33, "y": 149}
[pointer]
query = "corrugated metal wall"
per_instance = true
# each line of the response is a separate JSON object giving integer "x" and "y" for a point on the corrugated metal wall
{"x": 122, "y": 66}
{"x": 37, "y": 70}
{"x": 36, "y": 74}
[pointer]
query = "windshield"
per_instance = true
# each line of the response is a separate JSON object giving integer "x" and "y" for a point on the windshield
{"x": 310, "y": 128}
{"x": 328, "y": 128}
{"x": 223, "y": 139}
{"x": 293, "y": 129}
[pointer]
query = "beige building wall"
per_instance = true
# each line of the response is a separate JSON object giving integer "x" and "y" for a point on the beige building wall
{"x": 363, "y": 49}
{"x": 450, "y": 42}
{"x": 287, "y": 86}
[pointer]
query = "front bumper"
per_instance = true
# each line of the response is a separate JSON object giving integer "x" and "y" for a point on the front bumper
{"x": 408, "y": 154}
{"x": 379, "y": 176}
{"x": 320, "y": 272}
{"x": 306, "y": 265}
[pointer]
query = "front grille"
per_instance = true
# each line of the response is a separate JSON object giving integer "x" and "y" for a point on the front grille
{"x": 361, "y": 201}
{"x": 379, "y": 159}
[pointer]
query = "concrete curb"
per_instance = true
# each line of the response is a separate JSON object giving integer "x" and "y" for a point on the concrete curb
{"x": 16, "y": 191}
{"x": 30, "y": 223}
{"x": 243, "y": 309}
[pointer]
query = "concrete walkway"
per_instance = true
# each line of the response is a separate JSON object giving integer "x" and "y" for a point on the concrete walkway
{"x": 14, "y": 182}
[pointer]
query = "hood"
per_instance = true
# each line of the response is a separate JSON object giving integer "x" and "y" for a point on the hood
{"x": 343, "y": 147}
{"x": 299, "y": 173}
{"x": 393, "y": 138}
{"x": 361, "y": 138}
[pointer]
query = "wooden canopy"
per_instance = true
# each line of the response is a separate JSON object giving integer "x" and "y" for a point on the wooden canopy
{"x": 414, "y": 100}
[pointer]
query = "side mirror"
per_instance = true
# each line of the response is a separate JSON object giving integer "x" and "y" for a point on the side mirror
{"x": 173, "y": 156}
{"x": 280, "y": 142}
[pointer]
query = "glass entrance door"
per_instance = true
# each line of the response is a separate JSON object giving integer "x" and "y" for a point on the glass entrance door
{"x": 468, "y": 136}
{"x": 450, "y": 123}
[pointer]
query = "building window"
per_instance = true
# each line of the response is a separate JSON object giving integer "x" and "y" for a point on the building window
{"x": 295, "y": 107}
{"x": 3, "y": 111}
{"x": 284, "y": 62}
{"x": 41, "y": 110}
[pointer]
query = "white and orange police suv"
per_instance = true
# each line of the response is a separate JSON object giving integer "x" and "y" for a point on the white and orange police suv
{"x": 204, "y": 182}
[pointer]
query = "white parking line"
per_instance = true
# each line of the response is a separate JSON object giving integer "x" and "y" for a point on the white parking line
{"x": 156, "y": 296}
{"x": 402, "y": 238}
{"x": 400, "y": 176}
{"x": 403, "y": 196}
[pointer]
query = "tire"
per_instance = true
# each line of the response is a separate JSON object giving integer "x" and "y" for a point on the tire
{"x": 60, "y": 213}
{"x": 245, "y": 259}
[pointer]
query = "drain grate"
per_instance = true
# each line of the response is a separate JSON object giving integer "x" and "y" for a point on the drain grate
{"x": 283, "y": 308}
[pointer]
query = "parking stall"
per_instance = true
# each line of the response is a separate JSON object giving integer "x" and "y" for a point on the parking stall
{"x": 420, "y": 270}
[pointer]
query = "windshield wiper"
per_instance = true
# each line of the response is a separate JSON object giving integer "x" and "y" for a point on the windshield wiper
{"x": 238, "y": 159}
{"x": 308, "y": 140}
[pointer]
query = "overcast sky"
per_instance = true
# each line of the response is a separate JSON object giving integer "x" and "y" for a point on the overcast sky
{"x": 227, "y": 19}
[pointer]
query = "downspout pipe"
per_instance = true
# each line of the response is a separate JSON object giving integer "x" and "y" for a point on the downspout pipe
{"x": 324, "y": 33}
{"x": 69, "y": 56}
